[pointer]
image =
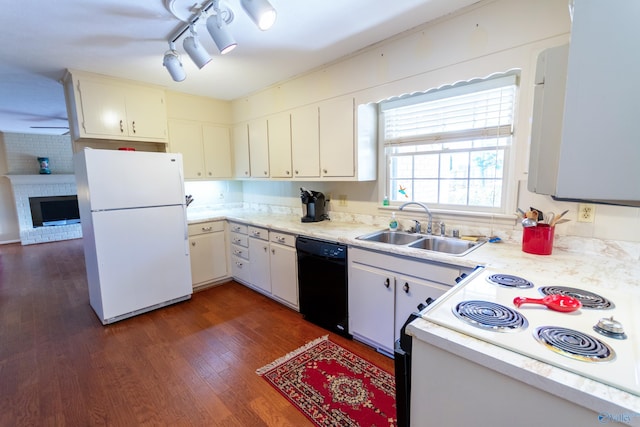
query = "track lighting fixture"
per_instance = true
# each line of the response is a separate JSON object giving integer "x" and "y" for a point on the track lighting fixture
{"x": 195, "y": 50}
{"x": 217, "y": 20}
{"x": 173, "y": 64}
{"x": 261, "y": 12}
{"x": 220, "y": 34}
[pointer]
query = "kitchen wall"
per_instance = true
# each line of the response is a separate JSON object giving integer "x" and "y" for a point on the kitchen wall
{"x": 491, "y": 36}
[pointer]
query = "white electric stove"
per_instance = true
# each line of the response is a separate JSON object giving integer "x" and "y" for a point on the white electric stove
{"x": 482, "y": 306}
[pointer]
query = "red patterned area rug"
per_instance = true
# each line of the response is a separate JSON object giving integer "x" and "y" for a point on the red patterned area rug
{"x": 334, "y": 387}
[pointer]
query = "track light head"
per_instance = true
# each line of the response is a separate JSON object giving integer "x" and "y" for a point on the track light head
{"x": 220, "y": 34}
{"x": 195, "y": 50}
{"x": 172, "y": 62}
{"x": 261, "y": 12}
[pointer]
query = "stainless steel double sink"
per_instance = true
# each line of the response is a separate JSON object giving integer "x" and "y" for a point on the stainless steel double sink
{"x": 447, "y": 245}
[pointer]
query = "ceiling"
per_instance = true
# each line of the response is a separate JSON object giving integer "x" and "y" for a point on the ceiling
{"x": 126, "y": 39}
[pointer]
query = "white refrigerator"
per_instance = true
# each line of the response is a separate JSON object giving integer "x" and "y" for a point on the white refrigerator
{"x": 134, "y": 227}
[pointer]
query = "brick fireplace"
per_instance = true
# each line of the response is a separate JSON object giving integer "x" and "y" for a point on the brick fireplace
{"x": 25, "y": 186}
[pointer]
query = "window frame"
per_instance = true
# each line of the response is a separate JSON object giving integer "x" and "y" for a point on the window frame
{"x": 509, "y": 185}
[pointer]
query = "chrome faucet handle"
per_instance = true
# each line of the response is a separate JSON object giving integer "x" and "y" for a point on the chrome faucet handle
{"x": 417, "y": 228}
{"x": 442, "y": 229}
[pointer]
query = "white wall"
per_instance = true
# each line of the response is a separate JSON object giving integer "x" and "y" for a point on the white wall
{"x": 491, "y": 36}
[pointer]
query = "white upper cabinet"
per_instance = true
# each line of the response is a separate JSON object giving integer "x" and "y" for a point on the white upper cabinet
{"x": 259, "y": 149}
{"x": 305, "y": 142}
{"x": 217, "y": 151}
{"x": 205, "y": 148}
{"x": 318, "y": 142}
{"x": 105, "y": 108}
{"x": 279, "y": 134}
{"x": 337, "y": 148}
{"x": 186, "y": 138}
{"x": 241, "y": 165}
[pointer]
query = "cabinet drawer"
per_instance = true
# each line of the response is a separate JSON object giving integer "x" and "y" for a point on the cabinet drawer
{"x": 238, "y": 228}
{"x": 205, "y": 227}
{"x": 259, "y": 233}
{"x": 240, "y": 239}
{"x": 283, "y": 238}
{"x": 240, "y": 269}
{"x": 239, "y": 251}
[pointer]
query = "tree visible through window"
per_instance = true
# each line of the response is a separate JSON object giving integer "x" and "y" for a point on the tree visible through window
{"x": 448, "y": 147}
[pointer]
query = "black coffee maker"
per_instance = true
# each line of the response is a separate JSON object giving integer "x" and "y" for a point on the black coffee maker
{"x": 312, "y": 205}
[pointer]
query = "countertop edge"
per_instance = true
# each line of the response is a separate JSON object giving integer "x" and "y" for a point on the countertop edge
{"x": 582, "y": 391}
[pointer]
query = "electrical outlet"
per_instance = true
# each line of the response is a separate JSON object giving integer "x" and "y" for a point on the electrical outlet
{"x": 343, "y": 199}
{"x": 586, "y": 212}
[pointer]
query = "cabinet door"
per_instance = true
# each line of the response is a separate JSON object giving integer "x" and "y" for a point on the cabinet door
{"x": 241, "y": 166}
{"x": 371, "y": 305}
{"x": 337, "y": 149}
{"x": 208, "y": 257}
{"x": 258, "y": 149}
{"x": 217, "y": 151}
{"x": 259, "y": 256}
{"x": 284, "y": 273}
{"x": 305, "y": 142}
{"x": 146, "y": 113}
{"x": 410, "y": 292}
{"x": 279, "y": 130}
{"x": 186, "y": 138}
{"x": 103, "y": 109}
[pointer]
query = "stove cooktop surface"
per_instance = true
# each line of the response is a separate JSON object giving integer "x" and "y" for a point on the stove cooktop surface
{"x": 615, "y": 362}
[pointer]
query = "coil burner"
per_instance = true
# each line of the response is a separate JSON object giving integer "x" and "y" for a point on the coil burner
{"x": 574, "y": 344}
{"x": 490, "y": 316}
{"x": 509, "y": 281}
{"x": 588, "y": 299}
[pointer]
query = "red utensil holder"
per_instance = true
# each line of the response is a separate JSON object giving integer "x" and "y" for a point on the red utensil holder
{"x": 538, "y": 240}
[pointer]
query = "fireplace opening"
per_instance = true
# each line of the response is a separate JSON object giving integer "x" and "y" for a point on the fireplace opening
{"x": 54, "y": 210}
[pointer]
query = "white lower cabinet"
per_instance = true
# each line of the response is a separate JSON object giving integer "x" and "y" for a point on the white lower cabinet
{"x": 283, "y": 264}
{"x": 266, "y": 261}
{"x": 208, "y": 254}
{"x": 259, "y": 250}
{"x": 385, "y": 289}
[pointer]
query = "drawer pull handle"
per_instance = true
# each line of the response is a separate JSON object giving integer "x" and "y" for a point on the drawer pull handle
{"x": 193, "y": 243}
{"x": 207, "y": 228}
{"x": 387, "y": 283}
{"x": 406, "y": 287}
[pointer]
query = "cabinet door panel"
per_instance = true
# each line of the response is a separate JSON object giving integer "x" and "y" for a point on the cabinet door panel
{"x": 258, "y": 149}
{"x": 337, "y": 149}
{"x": 279, "y": 129}
{"x": 186, "y": 138}
{"x": 371, "y": 305}
{"x": 284, "y": 275}
{"x": 305, "y": 142}
{"x": 259, "y": 256}
{"x": 410, "y": 292}
{"x": 241, "y": 166}
{"x": 217, "y": 151}
{"x": 103, "y": 109}
{"x": 146, "y": 113}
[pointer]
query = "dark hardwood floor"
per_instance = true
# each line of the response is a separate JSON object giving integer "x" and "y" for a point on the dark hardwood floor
{"x": 190, "y": 364}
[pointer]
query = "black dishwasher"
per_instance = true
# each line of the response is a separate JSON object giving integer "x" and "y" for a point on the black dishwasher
{"x": 322, "y": 283}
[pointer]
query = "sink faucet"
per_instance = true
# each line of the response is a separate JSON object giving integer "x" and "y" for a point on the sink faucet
{"x": 426, "y": 209}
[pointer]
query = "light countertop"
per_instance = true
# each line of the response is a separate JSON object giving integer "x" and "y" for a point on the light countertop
{"x": 605, "y": 264}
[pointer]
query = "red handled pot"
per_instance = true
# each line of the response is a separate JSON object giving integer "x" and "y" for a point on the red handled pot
{"x": 563, "y": 303}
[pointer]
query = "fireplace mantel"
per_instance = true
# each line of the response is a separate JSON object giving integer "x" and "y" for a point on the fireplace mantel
{"x": 60, "y": 178}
